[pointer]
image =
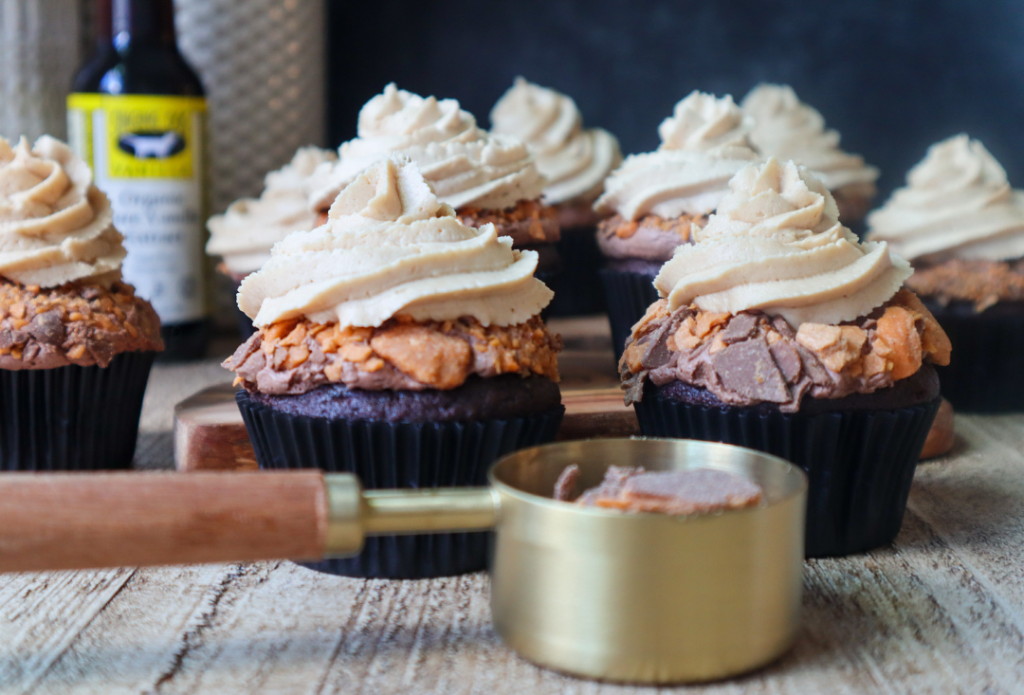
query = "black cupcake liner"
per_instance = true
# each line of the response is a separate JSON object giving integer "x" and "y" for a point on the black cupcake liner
{"x": 577, "y": 288}
{"x": 859, "y": 464}
{"x": 628, "y": 295}
{"x": 985, "y": 373}
{"x": 397, "y": 455}
{"x": 72, "y": 418}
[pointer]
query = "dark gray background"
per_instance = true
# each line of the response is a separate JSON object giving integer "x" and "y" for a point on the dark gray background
{"x": 892, "y": 76}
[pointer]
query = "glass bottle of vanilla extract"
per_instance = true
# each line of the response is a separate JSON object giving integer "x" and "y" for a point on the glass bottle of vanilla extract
{"x": 137, "y": 114}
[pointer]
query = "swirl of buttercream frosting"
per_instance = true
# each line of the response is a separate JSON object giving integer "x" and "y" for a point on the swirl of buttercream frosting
{"x": 776, "y": 245}
{"x": 574, "y": 160}
{"x": 703, "y": 144}
{"x": 55, "y": 225}
{"x": 957, "y": 204}
{"x": 248, "y": 229}
{"x": 786, "y": 128}
{"x": 463, "y": 163}
{"x": 389, "y": 247}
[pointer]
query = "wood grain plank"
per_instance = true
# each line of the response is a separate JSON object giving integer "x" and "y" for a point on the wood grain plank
{"x": 974, "y": 499}
{"x": 910, "y": 619}
{"x": 275, "y": 631}
{"x": 141, "y": 633}
{"x": 42, "y": 614}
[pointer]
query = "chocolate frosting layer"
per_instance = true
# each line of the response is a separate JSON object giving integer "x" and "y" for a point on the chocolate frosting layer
{"x": 651, "y": 238}
{"x": 751, "y": 358}
{"x": 400, "y": 355}
{"x": 79, "y": 323}
{"x": 922, "y": 387}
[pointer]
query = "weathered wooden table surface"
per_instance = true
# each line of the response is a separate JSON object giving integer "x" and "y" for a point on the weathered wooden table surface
{"x": 940, "y": 611}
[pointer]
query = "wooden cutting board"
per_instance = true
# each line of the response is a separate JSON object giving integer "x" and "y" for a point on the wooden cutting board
{"x": 209, "y": 434}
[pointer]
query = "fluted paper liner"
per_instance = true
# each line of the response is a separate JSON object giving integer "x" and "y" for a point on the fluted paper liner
{"x": 985, "y": 373}
{"x": 73, "y": 418}
{"x": 577, "y": 288}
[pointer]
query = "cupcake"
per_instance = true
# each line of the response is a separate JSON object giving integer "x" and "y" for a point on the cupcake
{"x": 656, "y": 197}
{"x": 962, "y": 227}
{"x": 778, "y": 330}
{"x": 786, "y": 128}
{"x": 76, "y": 344}
{"x": 487, "y": 179}
{"x": 575, "y": 161}
{"x": 399, "y": 344}
{"x": 247, "y": 230}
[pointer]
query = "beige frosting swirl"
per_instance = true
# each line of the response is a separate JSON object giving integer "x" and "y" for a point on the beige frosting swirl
{"x": 390, "y": 246}
{"x": 786, "y": 128}
{"x": 462, "y": 162}
{"x": 776, "y": 244}
{"x": 574, "y": 160}
{"x": 703, "y": 144}
{"x": 55, "y": 225}
{"x": 247, "y": 230}
{"x": 957, "y": 203}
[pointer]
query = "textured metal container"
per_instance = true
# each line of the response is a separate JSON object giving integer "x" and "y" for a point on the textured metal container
{"x": 262, "y": 64}
{"x": 39, "y": 54}
{"x": 646, "y": 598}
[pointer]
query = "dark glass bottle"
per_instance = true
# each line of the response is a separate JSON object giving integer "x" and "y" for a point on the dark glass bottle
{"x": 137, "y": 58}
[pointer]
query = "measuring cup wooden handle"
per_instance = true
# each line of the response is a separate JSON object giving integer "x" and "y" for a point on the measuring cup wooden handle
{"x": 58, "y": 521}
{"x": 80, "y": 520}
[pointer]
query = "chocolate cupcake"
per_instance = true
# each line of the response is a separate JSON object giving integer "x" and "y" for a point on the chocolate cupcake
{"x": 487, "y": 179}
{"x": 780, "y": 331}
{"x": 398, "y": 343}
{"x": 786, "y": 128}
{"x": 575, "y": 162}
{"x": 962, "y": 227}
{"x": 657, "y": 197}
{"x": 245, "y": 233}
{"x": 76, "y": 344}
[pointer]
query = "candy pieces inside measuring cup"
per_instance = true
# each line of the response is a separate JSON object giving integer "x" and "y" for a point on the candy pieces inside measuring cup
{"x": 680, "y": 492}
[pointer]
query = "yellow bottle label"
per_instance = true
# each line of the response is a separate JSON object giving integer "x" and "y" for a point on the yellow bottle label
{"x": 147, "y": 156}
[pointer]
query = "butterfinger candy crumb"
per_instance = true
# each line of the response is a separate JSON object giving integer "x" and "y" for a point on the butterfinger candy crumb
{"x": 527, "y": 222}
{"x": 896, "y": 327}
{"x": 428, "y": 356}
{"x": 691, "y": 491}
{"x": 982, "y": 282}
{"x": 436, "y": 354}
{"x": 622, "y": 228}
{"x": 52, "y": 327}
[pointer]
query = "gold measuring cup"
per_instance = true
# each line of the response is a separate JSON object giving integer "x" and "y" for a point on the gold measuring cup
{"x": 643, "y": 598}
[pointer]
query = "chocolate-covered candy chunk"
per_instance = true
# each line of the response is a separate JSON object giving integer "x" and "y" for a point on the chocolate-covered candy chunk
{"x": 692, "y": 491}
{"x": 47, "y": 327}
